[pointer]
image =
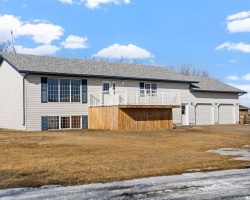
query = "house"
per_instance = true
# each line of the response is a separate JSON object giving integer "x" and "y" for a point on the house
{"x": 42, "y": 92}
{"x": 244, "y": 111}
{"x": 244, "y": 114}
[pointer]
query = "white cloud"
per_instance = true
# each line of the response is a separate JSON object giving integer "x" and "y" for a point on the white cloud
{"x": 246, "y": 77}
{"x": 75, "y": 42}
{"x": 234, "y": 77}
{"x": 66, "y": 1}
{"x": 118, "y": 51}
{"x": 233, "y": 61}
{"x": 40, "y": 50}
{"x": 240, "y": 15}
{"x": 235, "y": 47}
{"x": 40, "y": 32}
{"x": 239, "y": 22}
{"x": 240, "y": 25}
{"x": 93, "y": 4}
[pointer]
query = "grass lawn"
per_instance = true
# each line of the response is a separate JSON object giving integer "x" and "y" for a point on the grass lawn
{"x": 30, "y": 159}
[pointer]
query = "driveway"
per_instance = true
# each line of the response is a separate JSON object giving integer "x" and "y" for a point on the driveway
{"x": 228, "y": 184}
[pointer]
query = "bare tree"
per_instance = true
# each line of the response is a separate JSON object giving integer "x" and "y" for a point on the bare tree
{"x": 5, "y": 46}
{"x": 122, "y": 59}
{"x": 189, "y": 70}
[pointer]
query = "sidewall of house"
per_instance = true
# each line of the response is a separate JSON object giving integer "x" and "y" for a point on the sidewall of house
{"x": 11, "y": 100}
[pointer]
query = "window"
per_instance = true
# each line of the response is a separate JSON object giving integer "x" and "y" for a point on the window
{"x": 53, "y": 90}
{"x": 105, "y": 88}
{"x": 65, "y": 122}
{"x": 147, "y": 87}
{"x": 53, "y": 122}
{"x": 64, "y": 90}
{"x": 154, "y": 89}
{"x": 75, "y": 90}
{"x": 183, "y": 110}
{"x": 150, "y": 88}
{"x": 113, "y": 87}
{"x": 76, "y": 122}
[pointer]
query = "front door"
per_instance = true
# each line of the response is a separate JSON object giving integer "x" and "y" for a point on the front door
{"x": 184, "y": 115}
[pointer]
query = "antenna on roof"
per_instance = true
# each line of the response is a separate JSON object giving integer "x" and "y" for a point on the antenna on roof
{"x": 12, "y": 42}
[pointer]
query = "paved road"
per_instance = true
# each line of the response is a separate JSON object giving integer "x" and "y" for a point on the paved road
{"x": 230, "y": 184}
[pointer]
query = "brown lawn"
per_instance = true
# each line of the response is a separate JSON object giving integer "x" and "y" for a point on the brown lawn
{"x": 86, "y": 156}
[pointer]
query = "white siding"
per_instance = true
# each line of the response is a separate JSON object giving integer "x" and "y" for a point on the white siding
{"x": 36, "y": 109}
{"x": 214, "y": 98}
{"x": 11, "y": 100}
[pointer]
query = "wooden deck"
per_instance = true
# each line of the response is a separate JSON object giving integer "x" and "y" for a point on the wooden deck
{"x": 131, "y": 117}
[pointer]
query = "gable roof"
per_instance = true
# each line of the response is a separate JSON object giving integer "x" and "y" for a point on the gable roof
{"x": 241, "y": 107}
{"x": 212, "y": 85}
{"x": 91, "y": 68}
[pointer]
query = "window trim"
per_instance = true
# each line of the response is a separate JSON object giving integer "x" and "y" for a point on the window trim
{"x": 58, "y": 122}
{"x": 70, "y": 116}
{"x": 149, "y": 92}
{"x": 60, "y": 117}
{"x": 110, "y": 85}
{"x": 59, "y": 90}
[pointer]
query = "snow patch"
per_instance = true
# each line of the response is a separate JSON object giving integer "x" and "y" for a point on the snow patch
{"x": 226, "y": 184}
{"x": 245, "y": 155}
{"x": 194, "y": 170}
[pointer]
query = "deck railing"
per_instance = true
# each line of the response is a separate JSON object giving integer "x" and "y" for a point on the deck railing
{"x": 134, "y": 97}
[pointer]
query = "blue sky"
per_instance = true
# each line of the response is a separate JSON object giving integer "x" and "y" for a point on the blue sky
{"x": 213, "y": 35}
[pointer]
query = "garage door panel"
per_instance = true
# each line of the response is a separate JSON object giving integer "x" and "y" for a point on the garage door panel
{"x": 226, "y": 114}
{"x": 204, "y": 114}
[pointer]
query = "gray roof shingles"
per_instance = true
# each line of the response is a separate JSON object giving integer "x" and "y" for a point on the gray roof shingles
{"x": 56, "y": 65}
{"x": 209, "y": 84}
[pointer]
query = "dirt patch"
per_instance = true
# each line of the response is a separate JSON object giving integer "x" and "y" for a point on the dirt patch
{"x": 30, "y": 159}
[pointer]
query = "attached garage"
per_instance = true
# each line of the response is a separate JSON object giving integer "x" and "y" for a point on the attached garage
{"x": 226, "y": 114}
{"x": 204, "y": 114}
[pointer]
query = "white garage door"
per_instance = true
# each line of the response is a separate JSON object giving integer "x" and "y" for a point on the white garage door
{"x": 204, "y": 114}
{"x": 226, "y": 114}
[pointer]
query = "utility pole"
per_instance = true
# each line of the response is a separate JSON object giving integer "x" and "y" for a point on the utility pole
{"x": 12, "y": 42}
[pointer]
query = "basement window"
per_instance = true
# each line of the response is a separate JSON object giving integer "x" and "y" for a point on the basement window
{"x": 53, "y": 122}
{"x": 76, "y": 122}
{"x": 64, "y": 122}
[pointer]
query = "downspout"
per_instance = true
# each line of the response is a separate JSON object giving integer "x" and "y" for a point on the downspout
{"x": 24, "y": 102}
